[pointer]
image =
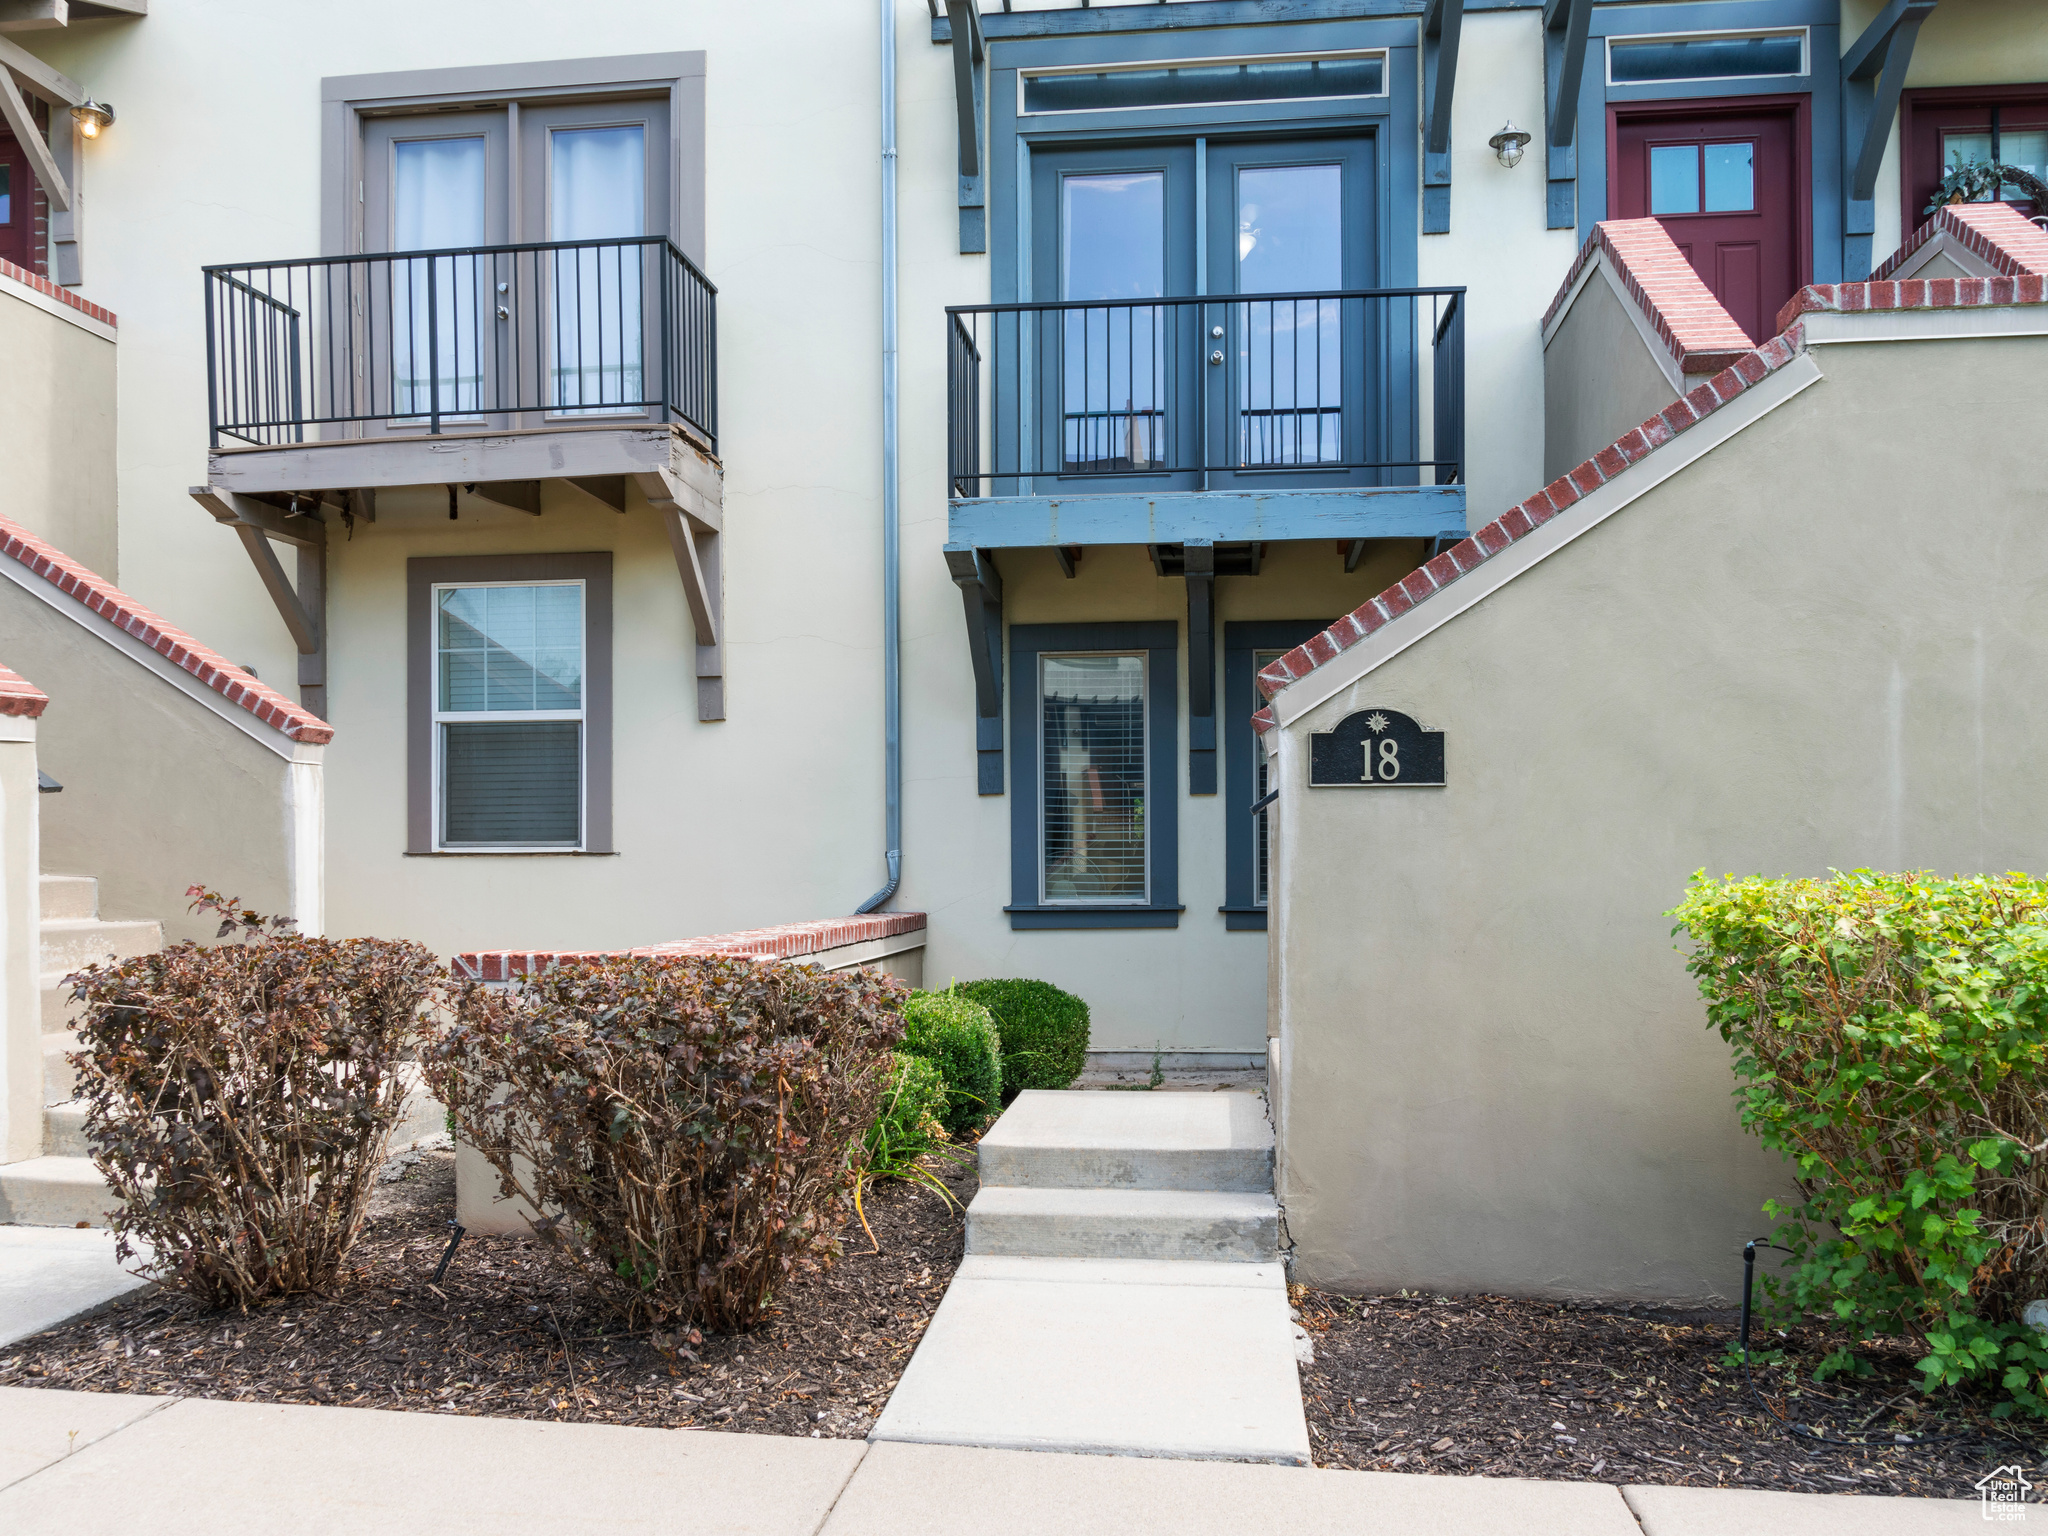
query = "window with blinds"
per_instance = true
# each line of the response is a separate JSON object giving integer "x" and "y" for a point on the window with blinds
{"x": 508, "y": 715}
{"x": 1092, "y": 725}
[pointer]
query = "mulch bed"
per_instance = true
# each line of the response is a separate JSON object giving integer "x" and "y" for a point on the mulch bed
{"x": 510, "y": 1333}
{"x": 1495, "y": 1387}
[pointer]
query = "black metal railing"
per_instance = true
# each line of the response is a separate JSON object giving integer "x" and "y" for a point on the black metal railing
{"x": 488, "y": 337}
{"x": 1206, "y": 393}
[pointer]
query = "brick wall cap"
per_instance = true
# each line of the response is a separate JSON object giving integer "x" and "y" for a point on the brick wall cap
{"x": 50, "y": 290}
{"x": 19, "y": 696}
{"x": 1701, "y": 335}
{"x": 102, "y": 597}
{"x": 2011, "y": 244}
{"x": 785, "y": 942}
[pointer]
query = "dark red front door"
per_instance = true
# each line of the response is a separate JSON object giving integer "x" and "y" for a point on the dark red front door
{"x": 1724, "y": 185}
{"x": 17, "y": 205}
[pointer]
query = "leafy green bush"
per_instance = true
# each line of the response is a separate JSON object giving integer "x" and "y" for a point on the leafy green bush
{"x": 238, "y": 1097}
{"x": 1891, "y": 1037}
{"x": 688, "y": 1126}
{"x": 1044, "y": 1031}
{"x": 906, "y": 1125}
{"x": 957, "y": 1035}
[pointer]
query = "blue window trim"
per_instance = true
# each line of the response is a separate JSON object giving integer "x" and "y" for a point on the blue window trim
{"x": 1823, "y": 84}
{"x": 1160, "y": 640}
{"x": 1012, "y": 137}
{"x": 1189, "y": 15}
{"x": 1240, "y": 909}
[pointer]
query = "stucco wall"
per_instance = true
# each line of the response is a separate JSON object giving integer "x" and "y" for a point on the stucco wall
{"x": 21, "y": 1023}
{"x": 159, "y": 791}
{"x": 57, "y": 440}
{"x": 1805, "y": 651}
{"x": 1599, "y": 380}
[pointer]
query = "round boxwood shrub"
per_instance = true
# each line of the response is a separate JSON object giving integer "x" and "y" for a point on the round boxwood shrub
{"x": 1044, "y": 1031}
{"x": 957, "y": 1035}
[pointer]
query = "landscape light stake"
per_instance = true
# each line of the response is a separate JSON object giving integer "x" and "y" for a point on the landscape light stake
{"x": 1806, "y": 1432}
{"x": 449, "y": 1253}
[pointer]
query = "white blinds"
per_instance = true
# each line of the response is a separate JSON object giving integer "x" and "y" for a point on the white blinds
{"x": 1092, "y": 718}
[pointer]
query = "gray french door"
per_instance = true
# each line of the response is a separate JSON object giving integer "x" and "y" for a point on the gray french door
{"x": 1254, "y": 375}
{"x": 1290, "y": 395}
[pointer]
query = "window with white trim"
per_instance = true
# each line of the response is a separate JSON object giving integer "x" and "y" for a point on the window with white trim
{"x": 509, "y": 715}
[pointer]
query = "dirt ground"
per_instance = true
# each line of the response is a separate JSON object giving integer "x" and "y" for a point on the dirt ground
{"x": 1506, "y": 1388}
{"x": 507, "y": 1333}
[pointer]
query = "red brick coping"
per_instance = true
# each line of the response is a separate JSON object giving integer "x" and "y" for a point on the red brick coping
{"x": 1702, "y": 336}
{"x": 124, "y": 613}
{"x": 19, "y": 696}
{"x": 2011, "y": 244}
{"x": 783, "y": 943}
{"x": 50, "y": 290}
{"x": 1749, "y": 370}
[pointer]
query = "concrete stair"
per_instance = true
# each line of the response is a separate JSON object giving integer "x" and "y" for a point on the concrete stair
{"x": 62, "y": 1188}
{"x": 1122, "y": 1292}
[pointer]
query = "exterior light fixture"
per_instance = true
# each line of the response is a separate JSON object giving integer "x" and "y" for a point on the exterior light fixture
{"x": 92, "y": 116}
{"x": 1508, "y": 144}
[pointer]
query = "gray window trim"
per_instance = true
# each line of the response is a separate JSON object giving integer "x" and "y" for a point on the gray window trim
{"x": 346, "y": 99}
{"x": 422, "y": 574}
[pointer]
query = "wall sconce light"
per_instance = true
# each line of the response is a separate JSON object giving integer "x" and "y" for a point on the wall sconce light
{"x": 1508, "y": 144}
{"x": 92, "y": 116}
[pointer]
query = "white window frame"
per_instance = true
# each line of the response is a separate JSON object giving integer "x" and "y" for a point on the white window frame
{"x": 1146, "y": 65}
{"x": 1144, "y": 661}
{"x": 1804, "y": 34}
{"x": 440, "y": 717}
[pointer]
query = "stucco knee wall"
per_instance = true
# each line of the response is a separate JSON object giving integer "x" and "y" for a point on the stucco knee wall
{"x": 1816, "y": 647}
{"x": 160, "y": 792}
{"x": 1599, "y": 379}
{"x": 57, "y": 442}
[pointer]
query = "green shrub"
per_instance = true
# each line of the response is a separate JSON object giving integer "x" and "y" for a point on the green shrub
{"x": 238, "y": 1097}
{"x": 1044, "y": 1031}
{"x": 1891, "y": 1037}
{"x": 906, "y": 1124}
{"x": 689, "y": 1127}
{"x": 956, "y": 1035}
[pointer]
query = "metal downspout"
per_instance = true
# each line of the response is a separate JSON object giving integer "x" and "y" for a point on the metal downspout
{"x": 892, "y": 681}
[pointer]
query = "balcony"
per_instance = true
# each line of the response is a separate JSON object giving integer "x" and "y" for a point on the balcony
{"x": 486, "y": 372}
{"x": 1236, "y": 419}
{"x": 1203, "y": 428}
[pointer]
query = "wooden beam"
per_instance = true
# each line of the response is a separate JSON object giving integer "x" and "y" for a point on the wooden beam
{"x": 1442, "y": 24}
{"x": 239, "y": 511}
{"x": 312, "y": 593}
{"x": 91, "y": 9}
{"x": 1198, "y": 569}
{"x": 1883, "y": 52}
{"x": 36, "y": 76}
{"x": 1565, "y": 24}
{"x": 519, "y": 495}
{"x": 695, "y": 542}
{"x": 23, "y": 125}
{"x": 981, "y": 600}
{"x": 33, "y": 15}
{"x": 697, "y": 489}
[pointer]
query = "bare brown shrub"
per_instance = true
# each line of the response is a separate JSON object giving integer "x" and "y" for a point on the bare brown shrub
{"x": 239, "y": 1097}
{"x": 689, "y": 1126}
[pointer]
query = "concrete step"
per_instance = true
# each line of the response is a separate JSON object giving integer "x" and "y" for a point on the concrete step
{"x": 1119, "y": 1357}
{"x": 60, "y": 1082}
{"x": 72, "y": 942}
{"x": 1210, "y": 1225}
{"x": 68, "y": 896}
{"x": 64, "y": 1129}
{"x": 54, "y": 1192}
{"x": 1073, "y": 1139}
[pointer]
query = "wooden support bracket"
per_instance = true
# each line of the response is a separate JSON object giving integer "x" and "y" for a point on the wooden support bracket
{"x": 981, "y": 596}
{"x": 693, "y": 521}
{"x": 1565, "y": 24}
{"x": 519, "y": 495}
{"x": 14, "y": 111}
{"x": 1442, "y": 23}
{"x": 302, "y": 607}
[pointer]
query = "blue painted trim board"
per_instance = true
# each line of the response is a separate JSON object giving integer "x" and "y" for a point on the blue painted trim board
{"x": 1222, "y": 517}
{"x": 1240, "y": 778}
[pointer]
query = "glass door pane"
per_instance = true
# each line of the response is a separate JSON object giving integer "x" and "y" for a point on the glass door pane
{"x": 598, "y": 191}
{"x": 437, "y": 347}
{"x": 1113, "y": 246}
{"x": 1290, "y": 352}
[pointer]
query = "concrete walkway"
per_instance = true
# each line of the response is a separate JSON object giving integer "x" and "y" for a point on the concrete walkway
{"x": 49, "y": 1275}
{"x": 91, "y": 1464}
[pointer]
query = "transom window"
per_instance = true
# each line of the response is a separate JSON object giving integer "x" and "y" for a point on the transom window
{"x": 1204, "y": 82}
{"x": 1092, "y": 719}
{"x": 1705, "y": 56}
{"x": 509, "y": 715}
